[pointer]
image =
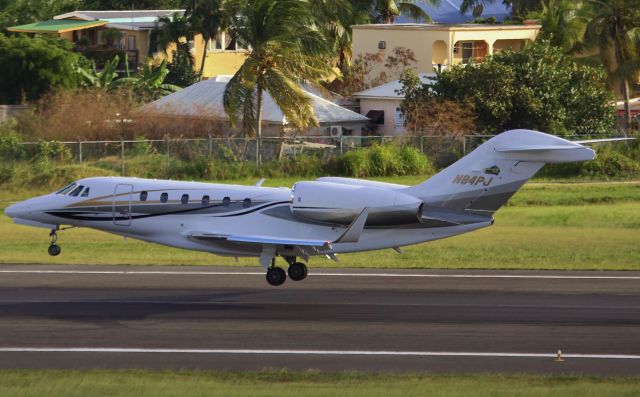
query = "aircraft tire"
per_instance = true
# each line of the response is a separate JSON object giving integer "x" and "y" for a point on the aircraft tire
{"x": 54, "y": 250}
{"x": 276, "y": 276}
{"x": 298, "y": 271}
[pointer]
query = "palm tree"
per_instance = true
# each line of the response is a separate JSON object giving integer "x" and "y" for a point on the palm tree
{"x": 286, "y": 50}
{"x": 175, "y": 30}
{"x": 560, "y": 22}
{"x": 518, "y": 7}
{"x": 209, "y": 17}
{"x": 386, "y": 11}
{"x": 612, "y": 29}
{"x": 334, "y": 19}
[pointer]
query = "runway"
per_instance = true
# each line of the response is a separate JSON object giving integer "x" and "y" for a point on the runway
{"x": 335, "y": 320}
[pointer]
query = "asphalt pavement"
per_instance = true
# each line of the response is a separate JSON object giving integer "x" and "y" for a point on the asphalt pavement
{"x": 337, "y": 319}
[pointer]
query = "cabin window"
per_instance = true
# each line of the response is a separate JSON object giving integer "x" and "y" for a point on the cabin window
{"x": 184, "y": 199}
{"x": 85, "y": 193}
{"x": 205, "y": 200}
{"x": 164, "y": 197}
{"x": 226, "y": 201}
{"x": 143, "y": 196}
{"x": 246, "y": 203}
{"x": 75, "y": 192}
{"x": 66, "y": 189}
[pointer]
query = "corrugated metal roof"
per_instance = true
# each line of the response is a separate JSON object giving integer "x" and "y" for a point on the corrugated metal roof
{"x": 448, "y": 11}
{"x": 389, "y": 90}
{"x": 133, "y": 19}
{"x": 204, "y": 100}
{"x": 56, "y": 26}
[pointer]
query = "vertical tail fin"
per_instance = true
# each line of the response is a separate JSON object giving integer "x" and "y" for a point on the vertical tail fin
{"x": 486, "y": 178}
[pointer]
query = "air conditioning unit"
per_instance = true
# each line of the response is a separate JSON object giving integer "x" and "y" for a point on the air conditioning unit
{"x": 336, "y": 131}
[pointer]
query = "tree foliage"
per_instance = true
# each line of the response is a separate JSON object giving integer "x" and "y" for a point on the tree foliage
{"x": 287, "y": 49}
{"x": 32, "y": 67}
{"x": 538, "y": 88}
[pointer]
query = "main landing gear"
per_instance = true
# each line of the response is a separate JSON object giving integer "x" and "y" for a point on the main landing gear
{"x": 54, "y": 249}
{"x": 277, "y": 276}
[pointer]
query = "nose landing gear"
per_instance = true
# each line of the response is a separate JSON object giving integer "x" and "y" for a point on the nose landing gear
{"x": 54, "y": 249}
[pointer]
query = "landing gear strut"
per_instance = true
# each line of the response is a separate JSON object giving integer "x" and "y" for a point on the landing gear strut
{"x": 54, "y": 249}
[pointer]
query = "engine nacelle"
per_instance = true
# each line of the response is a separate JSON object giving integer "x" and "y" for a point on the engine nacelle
{"x": 339, "y": 203}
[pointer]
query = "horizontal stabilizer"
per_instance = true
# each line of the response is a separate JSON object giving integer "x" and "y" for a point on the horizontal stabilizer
{"x": 547, "y": 153}
{"x": 588, "y": 141}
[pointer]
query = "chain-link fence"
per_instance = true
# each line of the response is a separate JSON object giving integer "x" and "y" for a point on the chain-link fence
{"x": 117, "y": 152}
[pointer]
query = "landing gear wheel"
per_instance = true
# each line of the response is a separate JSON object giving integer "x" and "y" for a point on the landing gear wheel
{"x": 276, "y": 276}
{"x": 298, "y": 271}
{"x": 54, "y": 250}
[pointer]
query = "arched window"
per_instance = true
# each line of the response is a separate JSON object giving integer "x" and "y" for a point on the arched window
{"x": 164, "y": 197}
{"x": 205, "y": 200}
{"x": 226, "y": 201}
{"x": 143, "y": 196}
{"x": 184, "y": 199}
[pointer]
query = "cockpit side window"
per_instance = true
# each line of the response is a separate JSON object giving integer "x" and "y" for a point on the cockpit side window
{"x": 75, "y": 192}
{"x": 67, "y": 188}
{"x": 85, "y": 193}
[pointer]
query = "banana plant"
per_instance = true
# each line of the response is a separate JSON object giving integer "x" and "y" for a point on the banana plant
{"x": 91, "y": 77}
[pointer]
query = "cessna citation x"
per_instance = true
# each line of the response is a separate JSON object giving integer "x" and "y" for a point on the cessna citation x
{"x": 327, "y": 216}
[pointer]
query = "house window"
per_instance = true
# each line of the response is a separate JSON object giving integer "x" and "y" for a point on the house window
{"x": 164, "y": 197}
{"x": 376, "y": 116}
{"x": 131, "y": 43}
{"x": 399, "y": 118}
{"x": 184, "y": 199}
{"x": 382, "y": 45}
{"x": 224, "y": 41}
{"x": 467, "y": 51}
{"x": 205, "y": 200}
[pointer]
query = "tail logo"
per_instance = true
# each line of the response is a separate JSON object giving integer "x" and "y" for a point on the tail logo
{"x": 472, "y": 180}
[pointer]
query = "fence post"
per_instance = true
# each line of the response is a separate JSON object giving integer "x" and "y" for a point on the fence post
{"x": 464, "y": 145}
{"x": 210, "y": 147}
{"x": 341, "y": 145}
{"x": 80, "y": 151}
{"x": 422, "y": 144}
{"x": 122, "y": 153}
{"x": 166, "y": 148}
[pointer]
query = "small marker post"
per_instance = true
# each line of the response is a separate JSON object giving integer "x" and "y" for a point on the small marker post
{"x": 559, "y": 356}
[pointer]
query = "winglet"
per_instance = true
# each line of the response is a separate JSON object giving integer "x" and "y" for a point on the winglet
{"x": 353, "y": 232}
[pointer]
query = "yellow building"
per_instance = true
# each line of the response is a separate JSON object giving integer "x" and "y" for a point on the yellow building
{"x": 87, "y": 29}
{"x": 439, "y": 45}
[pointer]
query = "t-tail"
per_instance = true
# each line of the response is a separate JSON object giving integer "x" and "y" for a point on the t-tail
{"x": 486, "y": 178}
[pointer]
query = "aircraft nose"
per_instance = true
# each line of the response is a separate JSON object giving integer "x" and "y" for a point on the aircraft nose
{"x": 15, "y": 210}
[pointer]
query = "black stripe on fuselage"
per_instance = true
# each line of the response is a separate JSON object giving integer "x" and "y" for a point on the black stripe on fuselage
{"x": 81, "y": 215}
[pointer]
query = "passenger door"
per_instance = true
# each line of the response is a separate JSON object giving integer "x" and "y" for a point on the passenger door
{"x": 122, "y": 196}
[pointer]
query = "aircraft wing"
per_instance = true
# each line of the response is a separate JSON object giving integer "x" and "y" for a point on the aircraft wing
{"x": 256, "y": 239}
{"x": 350, "y": 235}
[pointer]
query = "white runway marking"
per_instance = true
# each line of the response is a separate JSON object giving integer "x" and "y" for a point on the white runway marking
{"x": 309, "y": 352}
{"x": 363, "y": 274}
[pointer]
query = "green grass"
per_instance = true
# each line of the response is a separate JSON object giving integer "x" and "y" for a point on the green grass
{"x": 26, "y": 383}
{"x": 594, "y": 226}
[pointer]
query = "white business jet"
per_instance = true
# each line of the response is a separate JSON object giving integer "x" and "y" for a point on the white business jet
{"x": 328, "y": 216}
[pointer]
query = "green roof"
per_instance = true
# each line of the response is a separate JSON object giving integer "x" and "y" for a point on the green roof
{"x": 56, "y": 26}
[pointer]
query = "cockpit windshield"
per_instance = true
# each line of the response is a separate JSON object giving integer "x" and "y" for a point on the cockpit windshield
{"x": 67, "y": 189}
